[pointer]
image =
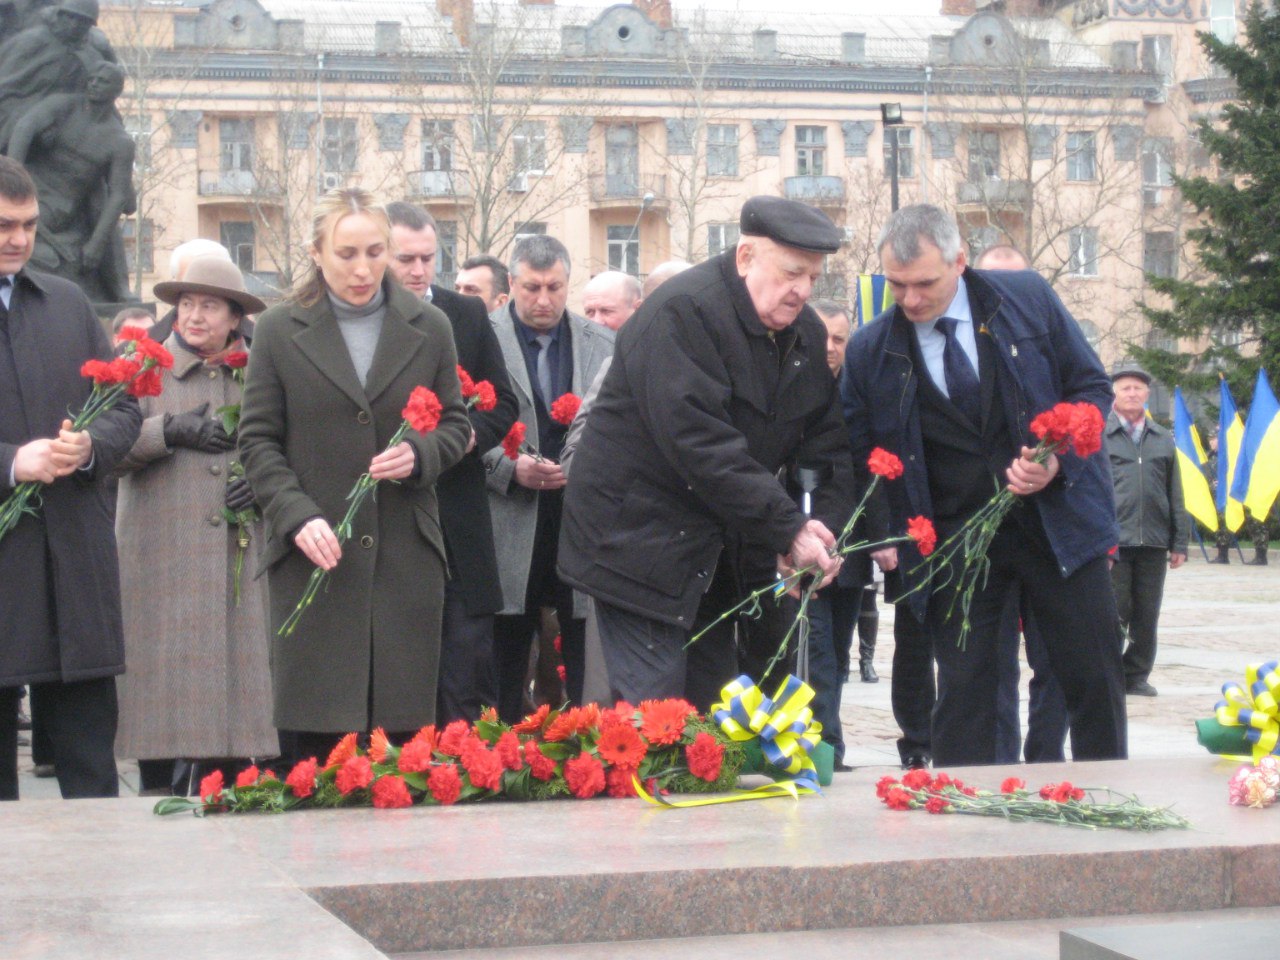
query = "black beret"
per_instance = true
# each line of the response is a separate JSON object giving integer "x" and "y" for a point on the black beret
{"x": 1131, "y": 370}
{"x": 790, "y": 223}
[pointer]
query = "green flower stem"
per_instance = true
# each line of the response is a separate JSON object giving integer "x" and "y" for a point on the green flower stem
{"x": 1117, "y": 811}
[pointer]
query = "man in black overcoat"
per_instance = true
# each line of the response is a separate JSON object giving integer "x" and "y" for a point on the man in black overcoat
{"x": 674, "y": 508}
{"x": 59, "y": 580}
{"x": 468, "y": 678}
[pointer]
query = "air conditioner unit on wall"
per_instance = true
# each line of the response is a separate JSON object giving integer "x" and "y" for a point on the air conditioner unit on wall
{"x": 1152, "y": 196}
{"x": 331, "y": 181}
{"x": 519, "y": 183}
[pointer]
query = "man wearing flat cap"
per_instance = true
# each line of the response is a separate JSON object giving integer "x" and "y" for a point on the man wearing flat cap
{"x": 1153, "y": 520}
{"x": 674, "y": 511}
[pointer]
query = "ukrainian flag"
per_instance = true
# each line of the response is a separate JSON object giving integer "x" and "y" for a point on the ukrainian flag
{"x": 874, "y": 297}
{"x": 1257, "y": 479}
{"x": 1196, "y": 494}
{"x": 1230, "y": 433}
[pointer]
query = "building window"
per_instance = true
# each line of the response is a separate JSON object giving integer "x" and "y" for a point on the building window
{"x": 811, "y": 151}
{"x": 624, "y": 250}
{"x": 721, "y": 237}
{"x": 1160, "y": 253}
{"x": 722, "y": 150}
{"x": 446, "y": 253}
{"x": 622, "y": 160}
{"x": 529, "y": 147}
{"x": 235, "y": 138}
{"x": 1157, "y": 54}
{"x": 1083, "y": 261}
{"x": 237, "y": 236}
{"x": 1157, "y": 165}
{"x": 341, "y": 145}
{"x": 1082, "y": 155}
{"x": 1222, "y": 20}
{"x": 133, "y": 251}
{"x": 984, "y": 155}
{"x": 906, "y": 151}
{"x": 1091, "y": 333}
{"x": 437, "y": 145}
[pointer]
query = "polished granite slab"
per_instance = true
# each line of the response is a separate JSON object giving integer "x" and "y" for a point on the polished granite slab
{"x": 107, "y": 878}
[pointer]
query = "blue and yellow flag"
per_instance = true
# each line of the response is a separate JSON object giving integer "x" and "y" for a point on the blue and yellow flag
{"x": 1230, "y": 433}
{"x": 874, "y": 297}
{"x": 1257, "y": 479}
{"x": 1195, "y": 487}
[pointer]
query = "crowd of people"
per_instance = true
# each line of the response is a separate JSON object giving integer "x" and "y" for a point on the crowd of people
{"x": 711, "y": 397}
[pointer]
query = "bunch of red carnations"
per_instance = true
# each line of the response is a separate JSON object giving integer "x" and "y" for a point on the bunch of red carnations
{"x": 581, "y": 752}
{"x": 1061, "y": 803}
{"x": 135, "y": 372}
{"x": 563, "y": 409}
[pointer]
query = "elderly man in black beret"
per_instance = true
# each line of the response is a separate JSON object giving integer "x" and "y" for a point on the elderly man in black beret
{"x": 674, "y": 509}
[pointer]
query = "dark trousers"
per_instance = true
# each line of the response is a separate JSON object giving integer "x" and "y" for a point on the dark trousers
{"x": 468, "y": 675}
{"x": 913, "y": 691}
{"x": 1077, "y": 618}
{"x": 80, "y": 719}
{"x": 825, "y": 675}
{"x": 648, "y": 659}
{"x": 1138, "y": 578}
{"x": 848, "y": 605}
{"x": 1046, "y": 709}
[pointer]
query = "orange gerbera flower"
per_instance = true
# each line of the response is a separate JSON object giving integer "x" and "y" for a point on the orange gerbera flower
{"x": 662, "y": 721}
{"x": 621, "y": 746}
{"x": 344, "y": 751}
{"x": 564, "y": 726}
{"x": 533, "y": 723}
{"x": 427, "y": 735}
{"x": 378, "y": 744}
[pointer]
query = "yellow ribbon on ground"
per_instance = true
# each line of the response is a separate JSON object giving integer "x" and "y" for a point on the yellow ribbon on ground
{"x": 783, "y": 788}
{"x": 1255, "y": 705}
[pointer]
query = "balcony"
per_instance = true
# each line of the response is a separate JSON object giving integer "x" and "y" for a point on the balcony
{"x": 993, "y": 193}
{"x": 622, "y": 191}
{"x": 818, "y": 191}
{"x": 228, "y": 183}
{"x": 439, "y": 184}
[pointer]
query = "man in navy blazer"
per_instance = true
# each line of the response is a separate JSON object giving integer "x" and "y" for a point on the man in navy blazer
{"x": 950, "y": 379}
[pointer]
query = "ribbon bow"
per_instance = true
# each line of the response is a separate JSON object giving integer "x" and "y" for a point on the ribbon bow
{"x": 1257, "y": 707}
{"x": 784, "y": 723}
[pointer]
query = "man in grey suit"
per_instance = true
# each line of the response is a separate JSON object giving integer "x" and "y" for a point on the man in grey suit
{"x": 549, "y": 352}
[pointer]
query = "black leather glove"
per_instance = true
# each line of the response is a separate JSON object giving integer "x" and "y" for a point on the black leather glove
{"x": 196, "y": 431}
{"x": 239, "y": 495}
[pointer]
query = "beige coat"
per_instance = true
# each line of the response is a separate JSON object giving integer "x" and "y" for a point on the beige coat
{"x": 197, "y": 681}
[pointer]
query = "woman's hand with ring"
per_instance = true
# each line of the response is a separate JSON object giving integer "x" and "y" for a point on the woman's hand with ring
{"x": 317, "y": 541}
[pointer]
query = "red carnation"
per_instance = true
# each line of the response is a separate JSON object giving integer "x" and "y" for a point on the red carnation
{"x": 565, "y": 408}
{"x": 453, "y": 738}
{"x": 917, "y": 779}
{"x": 99, "y": 370}
{"x": 1012, "y": 785}
{"x": 211, "y": 787}
{"x": 427, "y": 735}
{"x": 423, "y": 410}
{"x": 302, "y": 778}
{"x": 884, "y": 464}
{"x": 936, "y": 805}
{"x": 355, "y": 774}
{"x": 415, "y": 756}
{"x": 391, "y": 792}
{"x": 508, "y": 750}
{"x": 1086, "y": 429}
{"x": 585, "y": 776}
{"x": 920, "y": 529}
{"x": 561, "y": 672}
{"x": 236, "y": 360}
{"x": 486, "y": 396}
{"x": 662, "y": 721}
{"x": 145, "y": 384}
{"x": 248, "y": 776}
{"x": 1053, "y": 426}
{"x": 884, "y": 785}
{"x": 540, "y": 765}
{"x": 618, "y": 783}
{"x": 705, "y": 755}
{"x": 512, "y": 442}
{"x": 133, "y": 333}
{"x": 147, "y": 349}
{"x": 1062, "y": 792}
{"x": 621, "y": 746}
{"x": 466, "y": 383}
{"x": 483, "y": 766}
{"x": 897, "y": 799}
{"x": 558, "y": 643}
{"x": 533, "y": 723}
{"x": 444, "y": 783}
{"x": 343, "y": 751}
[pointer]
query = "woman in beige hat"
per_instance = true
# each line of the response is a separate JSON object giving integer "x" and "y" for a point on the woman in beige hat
{"x": 197, "y": 685}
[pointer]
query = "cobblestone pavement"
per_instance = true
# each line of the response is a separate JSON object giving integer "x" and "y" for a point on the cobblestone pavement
{"x": 1215, "y": 620}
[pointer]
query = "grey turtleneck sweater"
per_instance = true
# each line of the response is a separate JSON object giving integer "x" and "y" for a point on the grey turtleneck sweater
{"x": 361, "y": 327}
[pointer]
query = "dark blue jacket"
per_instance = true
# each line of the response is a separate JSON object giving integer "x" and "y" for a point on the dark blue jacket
{"x": 1045, "y": 360}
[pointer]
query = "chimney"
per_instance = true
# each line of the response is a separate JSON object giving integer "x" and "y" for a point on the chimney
{"x": 959, "y": 8}
{"x": 461, "y": 14}
{"x": 386, "y": 37}
{"x": 853, "y": 47}
{"x": 658, "y": 12}
{"x": 765, "y": 43}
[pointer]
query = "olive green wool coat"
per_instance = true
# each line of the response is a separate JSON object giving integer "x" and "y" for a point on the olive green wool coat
{"x": 367, "y": 652}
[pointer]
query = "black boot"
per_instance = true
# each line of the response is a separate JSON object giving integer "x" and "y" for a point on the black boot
{"x": 1259, "y": 556}
{"x": 1224, "y": 555}
{"x": 868, "y": 624}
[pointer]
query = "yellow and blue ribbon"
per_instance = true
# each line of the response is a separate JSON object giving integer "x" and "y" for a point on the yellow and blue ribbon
{"x": 1255, "y": 705}
{"x": 784, "y": 723}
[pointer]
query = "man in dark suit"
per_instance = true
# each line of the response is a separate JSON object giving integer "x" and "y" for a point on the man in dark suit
{"x": 59, "y": 581}
{"x": 468, "y": 676}
{"x": 950, "y": 379}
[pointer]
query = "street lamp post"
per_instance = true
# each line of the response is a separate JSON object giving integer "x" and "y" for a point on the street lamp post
{"x": 891, "y": 116}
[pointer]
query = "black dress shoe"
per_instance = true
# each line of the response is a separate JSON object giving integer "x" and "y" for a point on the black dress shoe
{"x": 868, "y": 672}
{"x": 841, "y": 767}
{"x": 1140, "y": 689}
{"x": 916, "y": 761}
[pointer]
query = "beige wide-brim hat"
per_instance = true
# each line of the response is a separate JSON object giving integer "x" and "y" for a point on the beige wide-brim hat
{"x": 214, "y": 275}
